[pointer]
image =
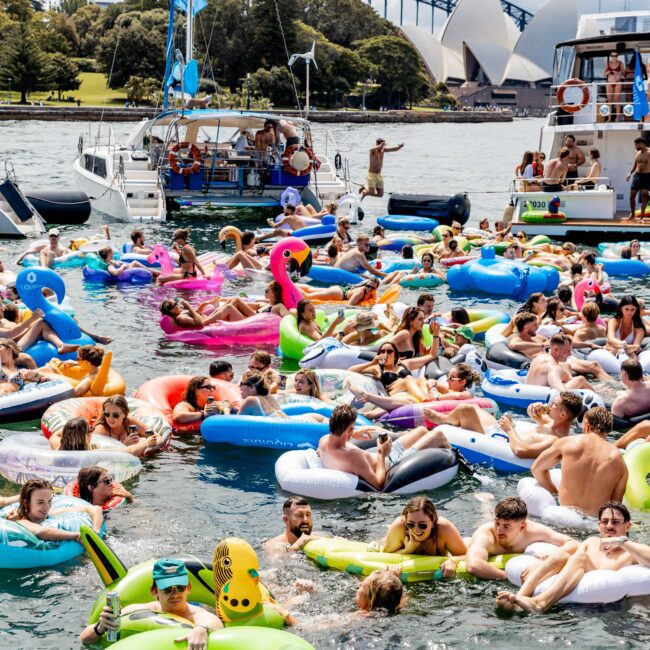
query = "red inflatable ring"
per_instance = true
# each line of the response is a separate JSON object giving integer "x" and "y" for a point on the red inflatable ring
{"x": 72, "y": 490}
{"x": 573, "y": 108}
{"x": 174, "y": 161}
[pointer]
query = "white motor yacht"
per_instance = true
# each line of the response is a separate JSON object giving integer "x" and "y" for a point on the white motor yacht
{"x": 599, "y": 115}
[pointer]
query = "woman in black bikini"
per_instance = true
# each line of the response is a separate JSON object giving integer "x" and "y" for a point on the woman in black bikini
{"x": 408, "y": 338}
{"x": 11, "y": 378}
{"x": 363, "y": 293}
{"x": 187, "y": 260}
{"x": 419, "y": 530}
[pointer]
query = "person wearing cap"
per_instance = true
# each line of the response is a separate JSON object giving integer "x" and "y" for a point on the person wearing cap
{"x": 365, "y": 330}
{"x": 463, "y": 338}
{"x": 456, "y": 228}
{"x": 171, "y": 588}
{"x": 47, "y": 252}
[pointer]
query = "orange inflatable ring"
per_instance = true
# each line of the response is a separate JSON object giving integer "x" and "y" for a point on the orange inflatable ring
{"x": 174, "y": 158}
{"x": 90, "y": 408}
{"x": 573, "y": 108}
{"x": 287, "y": 158}
{"x": 389, "y": 296}
{"x": 165, "y": 392}
{"x": 72, "y": 490}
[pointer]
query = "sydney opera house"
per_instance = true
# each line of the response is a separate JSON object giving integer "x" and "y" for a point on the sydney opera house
{"x": 484, "y": 58}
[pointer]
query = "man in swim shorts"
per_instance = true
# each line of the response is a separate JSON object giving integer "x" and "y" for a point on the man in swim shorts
{"x": 582, "y": 458}
{"x": 641, "y": 178}
{"x": 171, "y": 588}
{"x": 612, "y": 551}
{"x": 298, "y": 525}
{"x": 555, "y": 172}
{"x": 375, "y": 185}
{"x": 510, "y": 532}
{"x": 575, "y": 158}
{"x": 336, "y": 452}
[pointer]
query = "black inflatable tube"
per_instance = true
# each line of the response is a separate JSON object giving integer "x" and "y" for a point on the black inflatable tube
{"x": 61, "y": 206}
{"x": 501, "y": 353}
{"x": 438, "y": 367}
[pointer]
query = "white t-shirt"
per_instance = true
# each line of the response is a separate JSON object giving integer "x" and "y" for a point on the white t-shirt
{"x": 241, "y": 143}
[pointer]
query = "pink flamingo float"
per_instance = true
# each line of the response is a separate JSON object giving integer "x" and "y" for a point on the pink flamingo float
{"x": 160, "y": 255}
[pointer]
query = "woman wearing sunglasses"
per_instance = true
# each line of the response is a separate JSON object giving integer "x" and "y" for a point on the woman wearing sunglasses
{"x": 420, "y": 531}
{"x": 408, "y": 338}
{"x": 115, "y": 422}
{"x": 554, "y": 319}
{"x": 197, "y": 404}
{"x": 362, "y": 293}
{"x": 96, "y": 486}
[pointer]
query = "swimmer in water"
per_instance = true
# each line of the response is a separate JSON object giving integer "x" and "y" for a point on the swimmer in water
{"x": 298, "y": 525}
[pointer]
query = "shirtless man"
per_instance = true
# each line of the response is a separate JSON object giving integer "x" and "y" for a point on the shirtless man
{"x": 336, "y": 453}
{"x": 636, "y": 399}
{"x": 290, "y": 219}
{"x": 288, "y": 130}
{"x": 265, "y": 138}
{"x": 641, "y": 179}
{"x": 584, "y": 336}
{"x": 612, "y": 551}
{"x": 355, "y": 258}
{"x": 583, "y": 457}
{"x": 375, "y": 179}
{"x": 47, "y": 253}
{"x": 139, "y": 246}
{"x": 551, "y": 369}
{"x": 574, "y": 159}
{"x": 563, "y": 410}
{"x": 298, "y": 525}
{"x": 555, "y": 172}
{"x": 510, "y": 532}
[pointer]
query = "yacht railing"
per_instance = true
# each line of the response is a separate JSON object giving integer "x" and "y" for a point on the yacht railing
{"x": 523, "y": 185}
{"x": 594, "y": 111}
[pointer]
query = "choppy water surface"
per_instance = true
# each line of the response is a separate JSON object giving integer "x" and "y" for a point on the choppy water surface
{"x": 194, "y": 495}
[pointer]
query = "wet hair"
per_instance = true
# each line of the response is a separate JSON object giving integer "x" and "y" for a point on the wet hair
{"x": 380, "y": 140}
{"x": 276, "y": 288}
{"x": 626, "y": 253}
{"x": 257, "y": 380}
{"x": 590, "y": 258}
{"x": 633, "y": 369}
{"x": 193, "y": 386}
{"x": 292, "y": 502}
{"x": 428, "y": 508}
{"x": 247, "y": 237}
{"x": 577, "y": 269}
{"x": 637, "y": 321}
{"x": 312, "y": 379}
{"x": 453, "y": 245}
{"x": 10, "y": 312}
{"x": 460, "y": 316}
{"x": 467, "y": 373}
{"x": 565, "y": 293}
{"x": 511, "y": 509}
{"x": 73, "y": 435}
{"x": 15, "y": 350}
{"x": 104, "y": 252}
{"x": 385, "y": 590}
{"x": 424, "y": 297}
{"x": 219, "y": 366}
{"x": 88, "y": 477}
{"x": 533, "y": 299}
{"x": 167, "y": 305}
{"x": 409, "y": 315}
{"x": 572, "y": 403}
{"x": 26, "y": 495}
{"x": 300, "y": 310}
{"x": 407, "y": 252}
{"x": 343, "y": 416}
{"x": 378, "y": 230}
{"x": 291, "y": 209}
{"x": 522, "y": 319}
{"x": 93, "y": 354}
{"x": 640, "y": 141}
{"x": 590, "y": 312}
{"x": 599, "y": 419}
{"x": 263, "y": 357}
{"x": 136, "y": 234}
{"x": 552, "y": 307}
{"x": 332, "y": 251}
{"x": 615, "y": 505}
{"x": 181, "y": 233}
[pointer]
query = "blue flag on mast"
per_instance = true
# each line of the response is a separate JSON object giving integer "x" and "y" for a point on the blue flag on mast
{"x": 640, "y": 97}
{"x": 197, "y": 5}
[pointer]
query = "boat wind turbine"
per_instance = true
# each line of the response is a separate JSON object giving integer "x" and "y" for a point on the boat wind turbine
{"x": 309, "y": 58}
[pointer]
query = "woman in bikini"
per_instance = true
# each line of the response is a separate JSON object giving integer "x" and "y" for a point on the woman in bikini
{"x": 363, "y": 293}
{"x": 613, "y": 73}
{"x": 306, "y": 320}
{"x": 11, "y": 378}
{"x": 187, "y": 260}
{"x": 408, "y": 338}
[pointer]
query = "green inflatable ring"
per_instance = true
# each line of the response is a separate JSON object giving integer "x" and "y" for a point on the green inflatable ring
{"x": 537, "y": 216}
{"x": 501, "y": 246}
{"x": 637, "y": 459}
{"x": 239, "y": 638}
{"x": 354, "y": 557}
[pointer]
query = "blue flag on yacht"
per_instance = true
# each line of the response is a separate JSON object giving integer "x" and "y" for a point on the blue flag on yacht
{"x": 197, "y": 5}
{"x": 640, "y": 97}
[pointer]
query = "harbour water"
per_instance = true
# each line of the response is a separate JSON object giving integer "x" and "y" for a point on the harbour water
{"x": 194, "y": 495}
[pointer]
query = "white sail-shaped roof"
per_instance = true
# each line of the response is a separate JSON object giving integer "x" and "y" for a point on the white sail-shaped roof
{"x": 441, "y": 63}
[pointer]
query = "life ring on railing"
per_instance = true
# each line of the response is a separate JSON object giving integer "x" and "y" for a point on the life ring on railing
{"x": 573, "y": 108}
{"x": 298, "y": 160}
{"x": 174, "y": 162}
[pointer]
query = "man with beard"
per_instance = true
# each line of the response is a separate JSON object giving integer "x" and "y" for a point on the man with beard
{"x": 298, "y": 523}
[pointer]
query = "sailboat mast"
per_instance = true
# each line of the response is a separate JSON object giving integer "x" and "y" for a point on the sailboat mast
{"x": 189, "y": 33}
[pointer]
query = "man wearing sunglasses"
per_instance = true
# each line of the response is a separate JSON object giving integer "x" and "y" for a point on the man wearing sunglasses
{"x": 355, "y": 259}
{"x": 611, "y": 551}
{"x": 171, "y": 588}
{"x": 47, "y": 253}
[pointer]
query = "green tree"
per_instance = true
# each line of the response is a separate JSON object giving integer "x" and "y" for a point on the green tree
{"x": 275, "y": 84}
{"x": 399, "y": 71}
{"x": 345, "y": 21}
{"x": 134, "y": 47}
{"x": 65, "y": 73}
{"x": 268, "y": 48}
{"x": 84, "y": 20}
{"x": 19, "y": 10}
{"x": 57, "y": 32}
{"x": 70, "y": 7}
{"x": 140, "y": 89}
{"x": 22, "y": 59}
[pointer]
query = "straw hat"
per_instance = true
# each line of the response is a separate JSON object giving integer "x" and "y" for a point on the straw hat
{"x": 365, "y": 321}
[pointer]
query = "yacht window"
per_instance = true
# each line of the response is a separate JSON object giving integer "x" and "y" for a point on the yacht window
{"x": 95, "y": 165}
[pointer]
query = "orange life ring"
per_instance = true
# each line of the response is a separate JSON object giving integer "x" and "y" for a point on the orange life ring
{"x": 174, "y": 158}
{"x": 573, "y": 108}
{"x": 287, "y": 158}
